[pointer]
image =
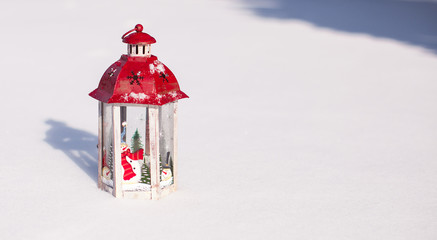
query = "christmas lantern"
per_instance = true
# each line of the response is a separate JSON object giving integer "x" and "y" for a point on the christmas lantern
{"x": 137, "y": 146}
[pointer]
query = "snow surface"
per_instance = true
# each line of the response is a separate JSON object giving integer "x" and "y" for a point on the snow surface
{"x": 296, "y": 127}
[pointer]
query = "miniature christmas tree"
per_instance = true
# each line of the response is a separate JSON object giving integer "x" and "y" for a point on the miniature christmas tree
{"x": 145, "y": 174}
{"x": 136, "y": 142}
{"x": 110, "y": 160}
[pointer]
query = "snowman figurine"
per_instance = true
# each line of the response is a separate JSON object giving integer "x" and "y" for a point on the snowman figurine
{"x": 166, "y": 174}
{"x": 132, "y": 163}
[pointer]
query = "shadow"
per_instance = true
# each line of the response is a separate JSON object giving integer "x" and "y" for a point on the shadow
{"x": 410, "y": 21}
{"x": 78, "y": 145}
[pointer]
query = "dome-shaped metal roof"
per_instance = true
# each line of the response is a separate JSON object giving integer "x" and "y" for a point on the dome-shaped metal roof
{"x": 138, "y": 79}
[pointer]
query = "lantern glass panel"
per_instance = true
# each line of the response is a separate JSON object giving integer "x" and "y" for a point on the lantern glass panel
{"x": 108, "y": 145}
{"x": 136, "y": 170}
{"x": 166, "y": 144}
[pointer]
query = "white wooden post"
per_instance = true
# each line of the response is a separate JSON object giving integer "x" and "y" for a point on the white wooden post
{"x": 100, "y": 146}
{"x": 118, "y": 173}
{"x": 154, "y": 151}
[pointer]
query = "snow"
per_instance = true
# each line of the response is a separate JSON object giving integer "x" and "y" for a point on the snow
{"x": 297, "y": 127}
{"x": 136, "y": 96}
{"x": 156, "y": 66}
{"x": 108, "y": 182}
{"x": 136, "y": 187}
{"x": 166, "y": 183}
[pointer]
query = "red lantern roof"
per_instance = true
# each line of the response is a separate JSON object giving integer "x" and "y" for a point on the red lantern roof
{"x": 138, "y": 80}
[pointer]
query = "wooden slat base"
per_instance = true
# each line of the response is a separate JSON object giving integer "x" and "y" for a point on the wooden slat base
{"x": 163, "y": 192}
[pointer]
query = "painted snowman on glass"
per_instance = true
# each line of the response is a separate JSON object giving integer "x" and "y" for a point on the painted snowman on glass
{"x": 138, "y": 97}
{"x": 132, "y": 158}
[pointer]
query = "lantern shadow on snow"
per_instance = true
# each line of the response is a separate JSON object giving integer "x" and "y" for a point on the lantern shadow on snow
{"x": 78, "y": 145}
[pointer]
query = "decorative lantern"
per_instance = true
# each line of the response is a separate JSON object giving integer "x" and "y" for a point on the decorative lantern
{"x": 138, "y": 123}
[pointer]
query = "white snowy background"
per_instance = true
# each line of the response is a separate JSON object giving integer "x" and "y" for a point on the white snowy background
{"x": 306, "y": 119}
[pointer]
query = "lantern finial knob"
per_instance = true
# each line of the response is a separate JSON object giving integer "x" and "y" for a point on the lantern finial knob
{"x": 139, "y": 28}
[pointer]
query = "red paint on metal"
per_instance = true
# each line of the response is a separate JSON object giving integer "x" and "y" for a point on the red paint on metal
{"x": 138, "y": 37}
{"x": 138, "y": 80}
{"x": 139, "y": 28}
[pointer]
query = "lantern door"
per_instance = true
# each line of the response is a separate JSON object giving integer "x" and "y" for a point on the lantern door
{"x": 106, "y": 147}
{"x": 163, "y": 145}
{"x": 167, "y": 148}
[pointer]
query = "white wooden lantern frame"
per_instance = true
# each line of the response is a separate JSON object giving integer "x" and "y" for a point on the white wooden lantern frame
{"x": 152, "y": 146}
